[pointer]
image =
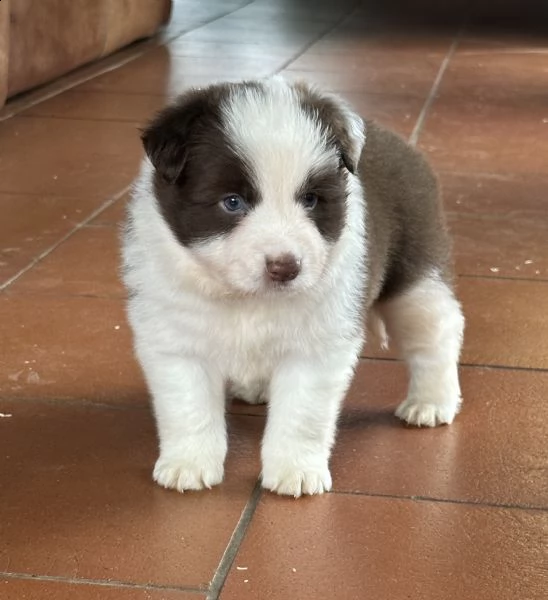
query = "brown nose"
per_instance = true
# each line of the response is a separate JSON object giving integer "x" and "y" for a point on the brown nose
{"x": 283, "y": 268}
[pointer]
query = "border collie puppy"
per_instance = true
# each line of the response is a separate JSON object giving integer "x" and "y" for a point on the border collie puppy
{"x": 268, "y": 226}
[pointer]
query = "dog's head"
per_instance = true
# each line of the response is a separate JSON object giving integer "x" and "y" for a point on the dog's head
{"x": 252, "y": 179}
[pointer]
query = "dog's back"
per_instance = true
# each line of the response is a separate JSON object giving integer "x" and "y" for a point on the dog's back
{"x": 406, "y": 234}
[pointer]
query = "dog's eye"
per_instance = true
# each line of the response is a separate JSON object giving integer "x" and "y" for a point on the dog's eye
{"x": 233, "y": 203}
{"x": 310, "y": 200}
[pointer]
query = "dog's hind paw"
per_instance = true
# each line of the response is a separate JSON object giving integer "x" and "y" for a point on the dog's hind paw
{"x": 427, "y": 414}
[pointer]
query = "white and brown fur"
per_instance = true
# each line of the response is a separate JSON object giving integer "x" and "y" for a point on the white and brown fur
{"x": 269, "y": 303}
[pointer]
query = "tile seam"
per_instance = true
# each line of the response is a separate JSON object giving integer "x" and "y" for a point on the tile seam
{"x": 421, "y": 120}
{"x": 433, "y": 499}
{"x": 98, "y": 582}
{"x": 106, "y": 204}
{"x": 233, "y": 546}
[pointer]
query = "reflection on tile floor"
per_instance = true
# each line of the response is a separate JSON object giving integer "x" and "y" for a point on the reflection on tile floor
{"x": 457, "y": 512}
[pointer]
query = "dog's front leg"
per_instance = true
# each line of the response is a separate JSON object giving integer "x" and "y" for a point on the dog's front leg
{"x": 188, "y": 397}
{"x": 305, "y": 398}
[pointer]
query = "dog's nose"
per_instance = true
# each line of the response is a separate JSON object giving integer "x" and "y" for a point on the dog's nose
{"x": 283, "y": 268}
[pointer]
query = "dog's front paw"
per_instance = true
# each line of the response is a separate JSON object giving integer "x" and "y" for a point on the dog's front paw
{"x": 186, "y": 474}
{"x": 295, "y": 478}
{"x": 427, "y": 414}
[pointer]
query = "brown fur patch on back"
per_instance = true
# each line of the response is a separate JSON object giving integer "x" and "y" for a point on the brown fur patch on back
{"x": 407, "y": 235}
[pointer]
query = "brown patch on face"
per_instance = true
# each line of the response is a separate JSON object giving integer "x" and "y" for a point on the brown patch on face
{"x": 329, "y": 185}
{"x": 196, "y": 166}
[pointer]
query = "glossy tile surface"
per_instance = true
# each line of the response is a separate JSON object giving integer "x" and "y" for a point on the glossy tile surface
{"x": 68, "y": 158}
{"x": 99, "y": 516}
{"x": 99, "y": 106}
{"x": 500, "y": 246}
{"x": 86, "y": 264}
{"x": 344, "y": 546}
{"x": 67, "y": 347}
{"x": 451, "y": 513}
{"x": 33, "y": 224}
{"x": 507, "y": 322}
{"x": 493, "y": 452}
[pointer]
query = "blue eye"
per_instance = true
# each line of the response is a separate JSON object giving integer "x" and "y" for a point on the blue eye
{"x": 310, "y": 200}
{"x": 234, "y": 203}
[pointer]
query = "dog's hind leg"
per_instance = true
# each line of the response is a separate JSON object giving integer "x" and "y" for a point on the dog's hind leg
{"x": 426, "y": 324}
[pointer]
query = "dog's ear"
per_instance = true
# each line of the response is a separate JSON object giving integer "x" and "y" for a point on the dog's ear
{"x": 345, "y": 128}
{"x": 166, "y": 138}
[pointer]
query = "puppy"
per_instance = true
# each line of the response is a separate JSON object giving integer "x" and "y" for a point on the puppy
{"x": 267, "y": 224}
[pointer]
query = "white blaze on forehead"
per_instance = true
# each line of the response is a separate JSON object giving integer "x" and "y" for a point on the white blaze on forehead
{"x": 278, "y": 140}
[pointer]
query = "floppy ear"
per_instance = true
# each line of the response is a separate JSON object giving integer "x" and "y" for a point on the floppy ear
{"x": 345, "y": 127}
{"x": 166, "y": 138}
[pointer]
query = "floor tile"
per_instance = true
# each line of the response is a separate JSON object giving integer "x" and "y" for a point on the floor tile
{"x": 33, "y": 589}
{"x": 493, "y": 452}
{"x": 334, "y": 53}
{"x": 35, "y": 223}
{"x": 187, "y": 15}
{"x": 507, "y": 322}
{"x": 293, "y": 34}
{"x": 159, "y": 73}
{"x": 61, "y": 157}
{"x": 497, "y": 136}
{"x": 479, "y": 76}
{"x": 78, "y": 499}
{"x": 374, "y": 42}
{"x": 507, "y": 195}
{"x": 501, "y": 247}
{"x": 67, "y": 348}
{"x": 349, "y": 547}
{"x": 395, "y": 111}
{"x": 478, "y": 40}
{"x": 87, "y": 264}
{"x": 291, "y": 12}
{"x": 76, "y": 104}
{"x": 190, "y": 48}
{"x": 384, "y": 74}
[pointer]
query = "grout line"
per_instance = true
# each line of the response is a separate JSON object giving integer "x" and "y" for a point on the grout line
{"x": 366, "y": 358}
{"x": 413, "y": 138}
{"x": 503, "y": 367}
{"x": 37, "y": 293}
{"x": 83, "y": 402}
{"x": 234, "y": 544}
{"x": 134, "y": 404}
{"x": 135, "y": 122}
{"x": 315, "y": 40}
{"x": 505, "y": 177}
{"x": 494, "y": 51}
{"x": 458, "y": 501}
{"x": 100, "y": 582}
{"x": 539, "y": 279}
{"x": 51, "y": 248}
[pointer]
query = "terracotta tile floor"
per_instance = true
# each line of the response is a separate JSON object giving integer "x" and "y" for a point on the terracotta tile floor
{"x": 454, "y": 513}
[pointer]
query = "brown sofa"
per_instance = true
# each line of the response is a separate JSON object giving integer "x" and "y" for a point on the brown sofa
{"x": 42, "y": 40}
